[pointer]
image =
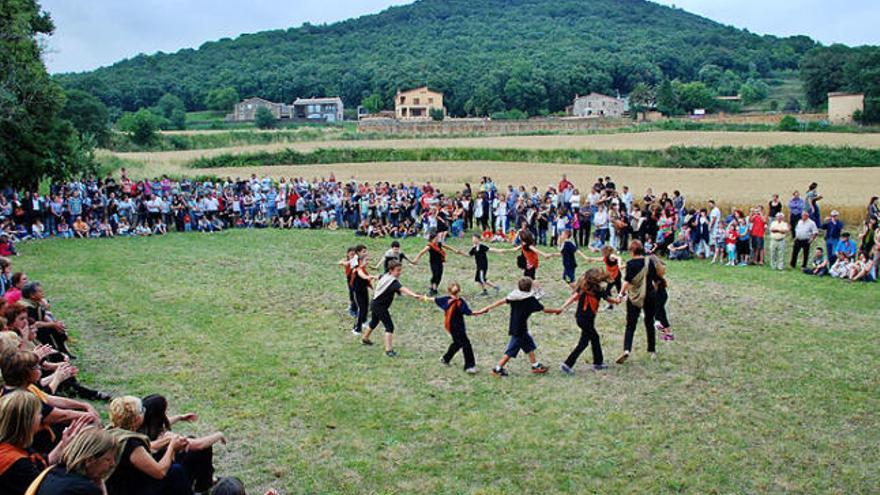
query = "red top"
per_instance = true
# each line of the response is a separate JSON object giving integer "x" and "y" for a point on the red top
{"x": 758, "y": 226}
{"x": 531, "y": 257}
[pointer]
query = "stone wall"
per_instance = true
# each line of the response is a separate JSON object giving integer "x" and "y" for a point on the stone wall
{"x": 486, "y": 126}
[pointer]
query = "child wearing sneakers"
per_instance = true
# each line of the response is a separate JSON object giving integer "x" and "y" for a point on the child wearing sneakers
{"x": 592, "y": 286}
{"x": 387, "y": 286}
{"x": 345, "y": 263}
{"x": 455, "y": 309}
{"x": 567, "y": 251}
{"x": 479, "y": 253}
{"x": 437, "y": 255}
{"x": 523, "y": 302}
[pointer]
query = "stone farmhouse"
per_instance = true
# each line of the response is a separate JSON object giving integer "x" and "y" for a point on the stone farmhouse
{"x": 318, "y": 109}
{"x": 416, "y": 104}
{"x": 597, "y": 105}
{"x": 246, "y": 110}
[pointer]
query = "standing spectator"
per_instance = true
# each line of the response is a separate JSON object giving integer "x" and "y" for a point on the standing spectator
{"x": 873, "y": 209}
{"x": 774, "y": 207}
{"x": 758, "y": 228}
{"x": 805, "y": 233}
{"x": 812, "y": 203}
{"x": 833, "y": 227}
{"x": 795, "y": 208}
{"x": 778, "y": 229}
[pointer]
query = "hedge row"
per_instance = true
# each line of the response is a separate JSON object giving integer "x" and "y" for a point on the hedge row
{"x": 674, "y": 157}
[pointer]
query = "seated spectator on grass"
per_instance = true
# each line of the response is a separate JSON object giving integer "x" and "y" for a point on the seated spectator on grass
{"x": 840, "y": 268}
{"x": 80, "y": 228}
{"x": 21, "y": 371}
{"x": 5, "y": 275}
{"x": 13, "y": 295}
{"x": 197, "y": 459}
{"x": 233, "y": 486}
{"x": 38, "y": 230}
{"x": 49, "y": 330}
{"x": 846, "y": 245}
{"x": 85, "y": 462}
{"x": 818, "y": 264}
{"x": 64, "y": 229}
{"x": 20, "y": 465}
{"x": 137, "y": 472}
{"x": 680, "y": 250}
{"x": 58, "y": 373}
{"x": 862, "y": 269}
{"x": 7, "y": 246}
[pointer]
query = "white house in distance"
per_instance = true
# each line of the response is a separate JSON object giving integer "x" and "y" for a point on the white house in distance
{"x": 597, "y": 105}
{"x": 318, "y": 109}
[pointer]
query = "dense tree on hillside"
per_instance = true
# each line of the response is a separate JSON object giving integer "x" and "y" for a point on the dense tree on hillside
{"x": 667, "y": 100}
{"x": 822, "y": 72}
{"x": 222, "y": 99}
{"x": 35, "y": 142}
{"x": 141, "y": 126}
{"x": 841, "y": 68}
{"x": 264, "y": 119}
{"x": 485, "y": 55}
{"x": 87, "y": 114}
{"x": 373, "y": 103}
{"x": 172, "y": 110}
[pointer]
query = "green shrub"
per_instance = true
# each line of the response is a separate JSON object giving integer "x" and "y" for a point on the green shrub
{"x": 674, "y": 157}
{"x": 789, "y": 124}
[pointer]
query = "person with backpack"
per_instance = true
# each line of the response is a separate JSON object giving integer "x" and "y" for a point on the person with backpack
{"x": 639, "y": 287}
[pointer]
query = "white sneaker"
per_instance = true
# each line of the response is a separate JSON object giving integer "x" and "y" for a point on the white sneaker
{"x": 471, "y": 371}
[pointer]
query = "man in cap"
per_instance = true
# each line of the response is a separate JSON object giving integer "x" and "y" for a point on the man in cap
{"x": 833, "y": 228}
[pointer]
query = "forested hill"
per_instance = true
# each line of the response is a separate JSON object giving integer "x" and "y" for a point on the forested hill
{"x": 486, "y": 55}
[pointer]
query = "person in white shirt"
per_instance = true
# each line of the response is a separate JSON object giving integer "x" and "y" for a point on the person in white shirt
{"x": 804, "y": 234}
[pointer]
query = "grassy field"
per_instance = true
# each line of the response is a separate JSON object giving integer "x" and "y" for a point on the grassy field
{"x": 770, "y": 386}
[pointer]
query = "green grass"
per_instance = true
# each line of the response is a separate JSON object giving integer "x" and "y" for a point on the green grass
{"x": 770, "y": 386}
{"x": 787, "y": 156}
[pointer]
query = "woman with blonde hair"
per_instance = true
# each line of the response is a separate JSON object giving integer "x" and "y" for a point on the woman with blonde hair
{"x": 21, "y": 371}
{"x": 85, "y": 462}
{"x": 137, "y": 472}
{"x": 19, "y": 422}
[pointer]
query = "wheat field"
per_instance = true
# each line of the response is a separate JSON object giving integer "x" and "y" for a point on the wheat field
{"x": 844, "y": 188}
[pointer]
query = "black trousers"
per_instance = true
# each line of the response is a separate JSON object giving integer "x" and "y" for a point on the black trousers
{"x": 436, "y": 274}
{"x": 583, "y": 234}
{"x": 632, "y": 319}
{"x": 352, "y": 306}
{"x": 461, "y": 342}
{"x": 589, "y": 337}
{"x": 660, "y": 307}
{"x": 362, "y": 302}
{"x": 799, "y": 245}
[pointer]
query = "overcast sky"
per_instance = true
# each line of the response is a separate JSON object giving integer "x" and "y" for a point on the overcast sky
{"x": 94, "y": 33}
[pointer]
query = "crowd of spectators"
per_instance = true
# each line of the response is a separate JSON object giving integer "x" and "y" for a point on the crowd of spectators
{"x": 51, "y": 438}
{"x": 598, "y": 215}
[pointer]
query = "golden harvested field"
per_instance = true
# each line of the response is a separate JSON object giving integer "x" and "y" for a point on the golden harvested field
{"x": 843, "y": 188}
{"x": 628, "y": 141}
